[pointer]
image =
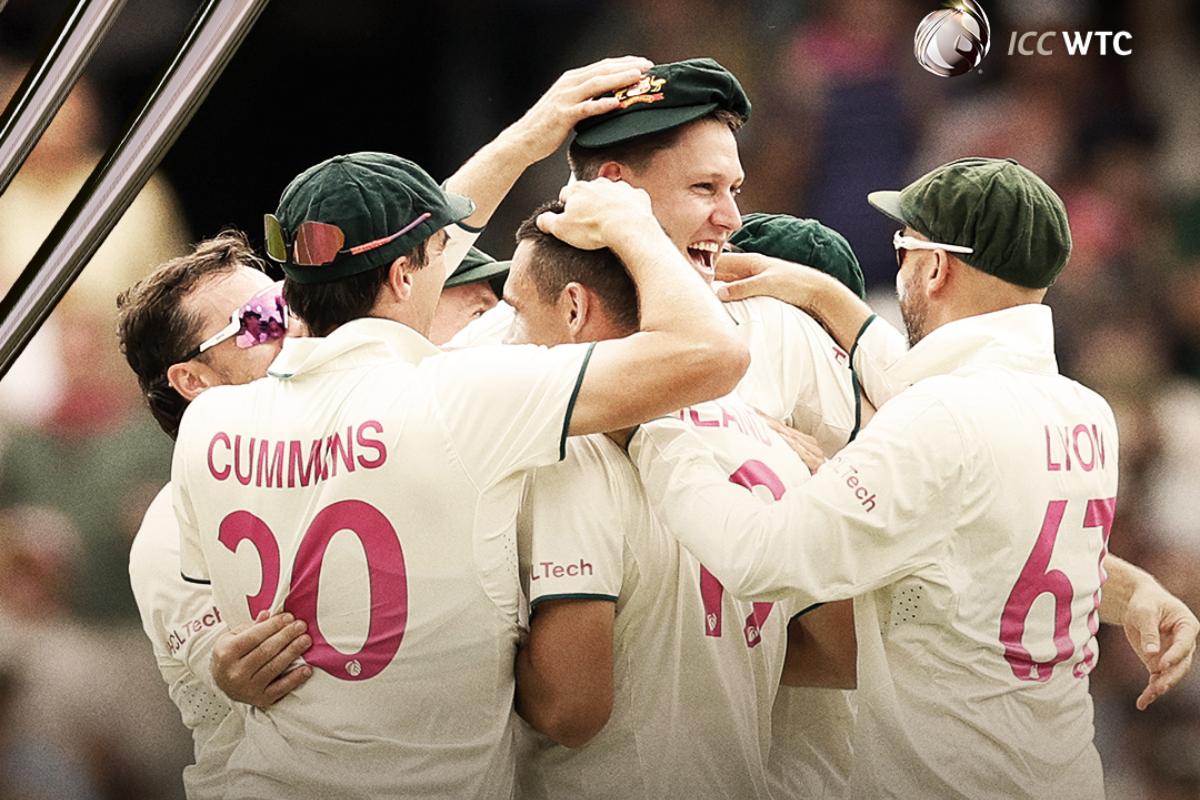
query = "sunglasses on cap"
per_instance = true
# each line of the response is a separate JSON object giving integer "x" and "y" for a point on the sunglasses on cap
{"x": 319, "y": 243}
{"x": 261, "y": 319}
{"x": 901, "y": 243}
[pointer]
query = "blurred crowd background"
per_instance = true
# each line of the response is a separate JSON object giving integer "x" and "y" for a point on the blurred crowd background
{"x": 840, "y": 108}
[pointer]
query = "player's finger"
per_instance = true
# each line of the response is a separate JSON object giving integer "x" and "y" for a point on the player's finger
{"x": 271, "y": 647}
{"x": 287, "y": 683}
{"x": 609, "y": 65}
{"x": 548, "y": 222}
{"x": 746, "y": 287}
{"x": 279, "y": 664}
{"x": 1144, "y": 620}
{"x": 604, "y": 83}
{"x": 259, "y": 632}
{"x": 735, "y": 266}
{"x": 1180, "y": 644}
{"x": 592, "y": 108}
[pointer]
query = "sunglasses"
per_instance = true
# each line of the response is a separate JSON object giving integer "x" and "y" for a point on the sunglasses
{"x": 901, "y": 243}
{"x": 319, "y": 243}
{"x": 261, "y": 319}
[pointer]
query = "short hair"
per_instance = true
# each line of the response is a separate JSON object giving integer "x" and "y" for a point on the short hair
{"x": 636, "y": 153}
{"x": 155, "y": 329}
{"x": 325, "y": 306}
{"x": 554, "y": 264}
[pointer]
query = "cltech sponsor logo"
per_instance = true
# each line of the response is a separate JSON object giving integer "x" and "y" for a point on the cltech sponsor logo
{"x": 1074, "y": 43}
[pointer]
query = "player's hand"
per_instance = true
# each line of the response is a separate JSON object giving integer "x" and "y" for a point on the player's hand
{"x": 753, "y": 274}
{"x": 1162, "y": 631}
{"x": 805, "y": 446}
{"x": 575, "y": 96}
{"x": 250, "y": 661}
{"x": 598, "y": 213}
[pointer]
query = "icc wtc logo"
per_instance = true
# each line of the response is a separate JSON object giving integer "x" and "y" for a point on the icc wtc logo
{"x": 954, "y": 39}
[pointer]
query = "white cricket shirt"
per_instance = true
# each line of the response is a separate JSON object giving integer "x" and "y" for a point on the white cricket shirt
{"x": 370, "y": 485}
{"x": 695, "y": 669}
{"x": 183, "y": 622}
{"x": 798, "y": 374}
{"x": 969, "y": 521}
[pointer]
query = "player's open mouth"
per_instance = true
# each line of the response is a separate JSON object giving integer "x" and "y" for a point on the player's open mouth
{"x": 704, "y": 256}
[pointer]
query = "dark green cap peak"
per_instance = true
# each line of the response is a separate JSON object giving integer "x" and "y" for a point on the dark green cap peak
{"x": 479, "y": 266}
{"x": 1016, "y": 224}
{"x": 801, "y": 241}
{"x": 370, "y": 196}
{"x": 669, "y": 95}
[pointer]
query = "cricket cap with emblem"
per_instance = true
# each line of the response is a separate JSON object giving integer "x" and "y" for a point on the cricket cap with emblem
{"x": 370, "y": 197}
{"x": 667, "y": 96}
{"x": 478, "y": 266}
{"x": 1015, "y": 223}
{"x": 801, "y": 241}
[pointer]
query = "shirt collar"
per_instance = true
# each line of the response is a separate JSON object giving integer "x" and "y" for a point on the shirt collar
{"x": 1021, "y": 337}
{"x": 360, "y": 341}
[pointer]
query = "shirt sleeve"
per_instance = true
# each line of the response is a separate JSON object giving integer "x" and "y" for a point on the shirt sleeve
{"x": 459, "y": 239}
{"x": 192, "y": 565}
{"x": 816, "y": 374}
{"x": 180, "y": 618}
{"x": 489, "y": 328}
{"x": 508, "y": 407}
{"x": 878, "y": 347}
{"x": 575, "y": 552}
{"x": 882, "y": 508}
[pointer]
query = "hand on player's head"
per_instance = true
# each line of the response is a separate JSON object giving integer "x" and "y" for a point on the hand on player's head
{"x": 597, "y": 212}
{"x": 577, "y": 94}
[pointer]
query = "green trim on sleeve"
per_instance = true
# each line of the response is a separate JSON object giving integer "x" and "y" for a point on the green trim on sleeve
{"x": 471, "y": 228}
{"x": 857, "y": 404}
{"x": 857, "y": 337}
{"x": 572, "y": 596}
{"x": 562, "y": 442}
{"x": 200, "y": 581}
{"x": 855, "y": 381}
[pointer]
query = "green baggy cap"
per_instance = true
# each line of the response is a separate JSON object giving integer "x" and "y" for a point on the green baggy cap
{"x": 1016, "y": 224}
{"x": 370, "y": 196}
{"x": 801, "y": 241}
{"x": 479, "y": 266}
{"x": 668, "y": 96}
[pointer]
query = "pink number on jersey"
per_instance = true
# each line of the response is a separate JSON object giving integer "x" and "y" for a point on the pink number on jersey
{"x": 1034, "y": 581}
{"x": 1099, "y": 514}
{"x": 387, "y": 579}
{"x": 711, "y": 595}
{"x": 752, "y": 473}
{"x": 243, "y": 526}
{"x": 756, "y": 473}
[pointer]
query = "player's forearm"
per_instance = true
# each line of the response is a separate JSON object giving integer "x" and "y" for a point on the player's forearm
{"x": 553, "y": 703}
{"x": 750, "y": 547}
{"x": 836, "y": 307}
{"x": 1123, "y": 580}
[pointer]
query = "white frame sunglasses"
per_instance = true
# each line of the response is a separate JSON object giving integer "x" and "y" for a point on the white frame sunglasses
{"x": 902, "y": 242}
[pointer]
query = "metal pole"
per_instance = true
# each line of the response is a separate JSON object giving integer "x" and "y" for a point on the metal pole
{"x": 50, "y": 80}
{"x": 211, "y": 41}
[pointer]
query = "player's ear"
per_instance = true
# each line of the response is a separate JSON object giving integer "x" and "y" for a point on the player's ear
{"x": 399, "y": 281}
{"x": 613, "y": 170}
{"x": 574, "y": 306}
{"x": 190, "y": 378}
{"x": 941, "y": 272}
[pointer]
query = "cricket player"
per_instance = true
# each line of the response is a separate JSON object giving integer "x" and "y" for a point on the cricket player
{"x": 376, "y": 501}
{"x": 473, "y": 289}
{"x": 969, "y": 519}
{"x": 673, "y": 135}
{"x": 646, "y": 678}
{"x": 205, "y": 319}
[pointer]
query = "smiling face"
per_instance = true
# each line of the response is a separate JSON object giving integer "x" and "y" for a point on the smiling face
{"x": 693, "y": 186}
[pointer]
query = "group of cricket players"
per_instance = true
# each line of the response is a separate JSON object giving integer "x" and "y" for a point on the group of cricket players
{"x": 669, "y": 513}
